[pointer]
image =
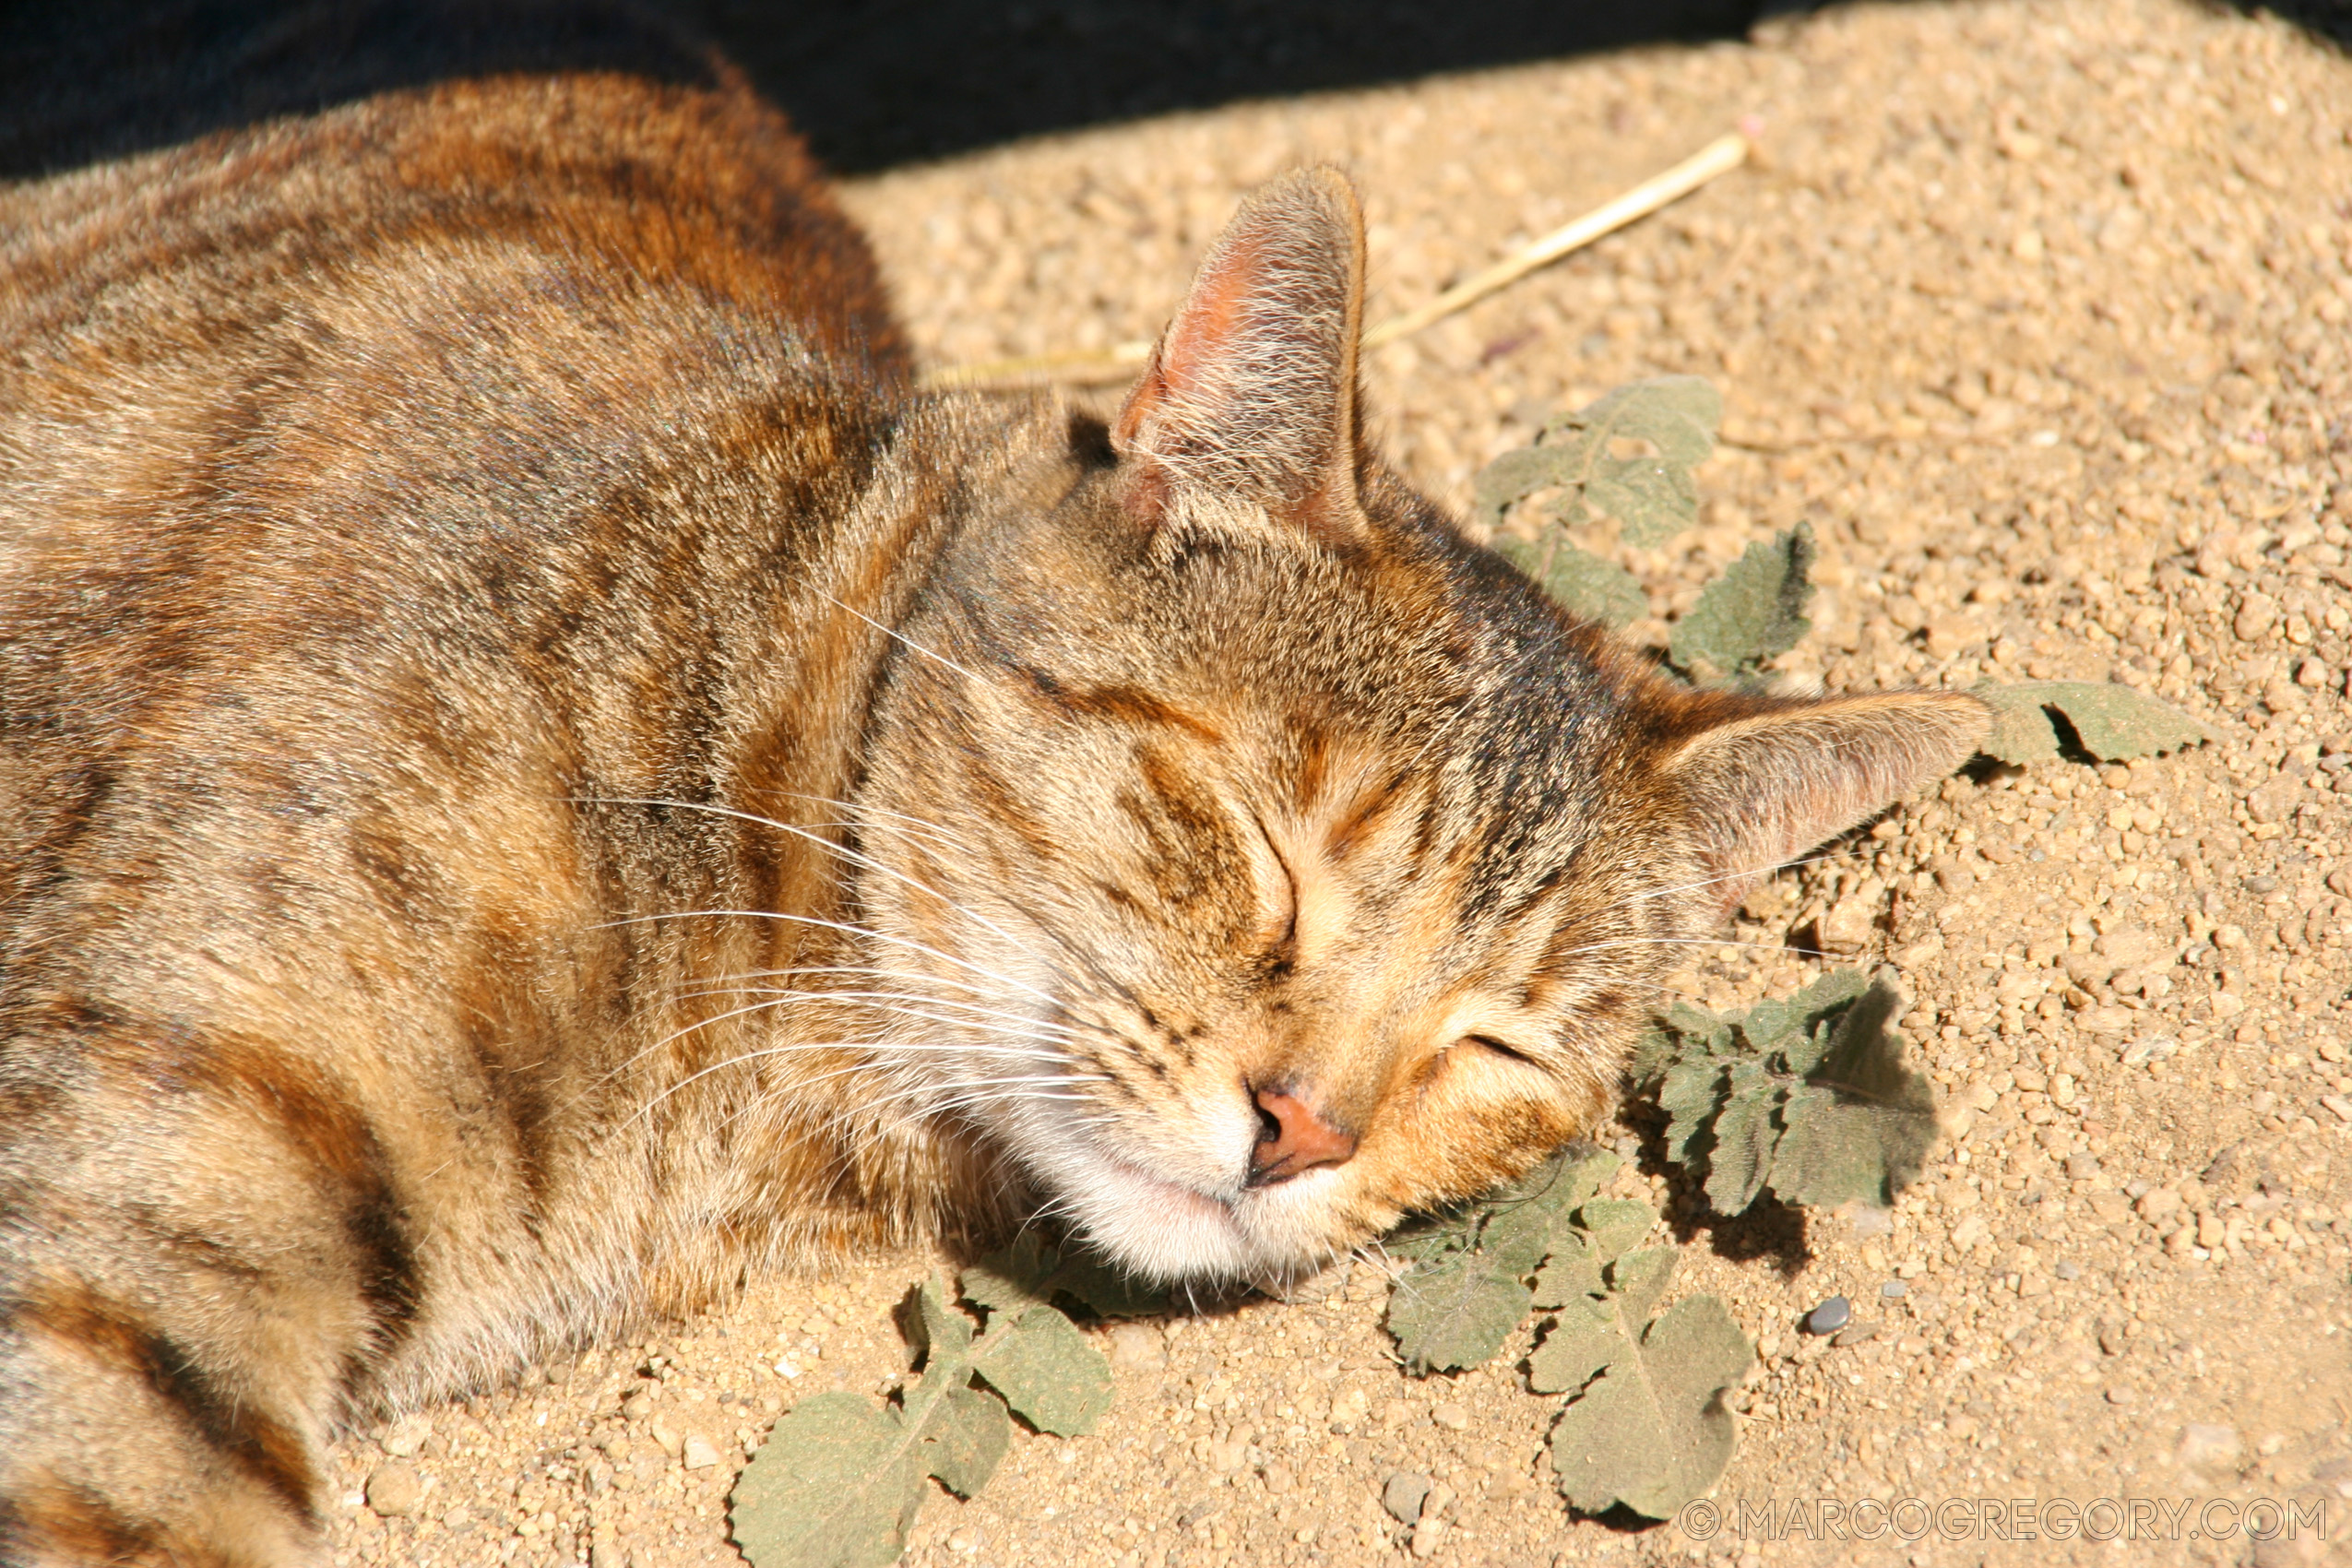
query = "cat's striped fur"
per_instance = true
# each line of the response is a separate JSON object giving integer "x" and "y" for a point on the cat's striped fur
{"x": 536, "y": 775}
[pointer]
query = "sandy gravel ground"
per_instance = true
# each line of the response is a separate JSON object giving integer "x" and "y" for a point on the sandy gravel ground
{"x": 2038, "y": 314}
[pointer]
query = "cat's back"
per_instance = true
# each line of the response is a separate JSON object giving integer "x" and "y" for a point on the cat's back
{"x": 597, "y": 183}
{"x": 496, "y": 283}
{"x": 341, "y": 436}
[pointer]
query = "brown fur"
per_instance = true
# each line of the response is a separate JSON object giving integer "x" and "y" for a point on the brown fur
{"x": 535, "y": 775}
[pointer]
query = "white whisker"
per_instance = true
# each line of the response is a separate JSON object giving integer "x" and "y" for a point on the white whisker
{"x": 884, "y": 1001}
{"x": 1689, "y": 942}
{"x": 1731, "y": 876}
{"x": 852, "y": 856}
{"x": 902, "y": 637}
{"x": 865, "y": 932}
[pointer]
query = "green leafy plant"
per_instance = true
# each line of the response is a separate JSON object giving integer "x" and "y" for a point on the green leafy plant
{"x": 1809, "y": 1097}
{"x": 1654, "y": 495}
{"x": 1474, "y": 1266}
{"x": 1644, "y": 1424}
{"x": 841, "y": 1477}
{"x": 1755, "y": 611}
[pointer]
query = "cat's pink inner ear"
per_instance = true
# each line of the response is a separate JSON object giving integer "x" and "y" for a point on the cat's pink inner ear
{"x": 1764, "y": 785}
{"x": 1252, "y": 389}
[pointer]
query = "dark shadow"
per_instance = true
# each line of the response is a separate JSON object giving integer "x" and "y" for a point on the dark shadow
{"x": 876, "y": 82}
{"x": 1768, "y": 1231}
{"x": 2327, "y": 20}
{"x": 871, "y": 82}
{"x": 86, "y": 80}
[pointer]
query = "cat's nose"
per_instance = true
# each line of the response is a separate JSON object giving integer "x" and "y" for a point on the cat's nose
{"x": 1292, "y": 1139}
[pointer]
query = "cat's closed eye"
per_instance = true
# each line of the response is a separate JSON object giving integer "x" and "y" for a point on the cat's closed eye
{"x": 1494, "y": 1048}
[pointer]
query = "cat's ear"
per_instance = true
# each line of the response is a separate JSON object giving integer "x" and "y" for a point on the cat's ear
{"x": 1250, "y": 392}
{"x": 1765, "y": 786}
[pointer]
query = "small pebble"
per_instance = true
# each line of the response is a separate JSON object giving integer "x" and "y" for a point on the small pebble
{"x": 1893, "y": 1290}
{"x": 393, "y": 1490}
{"x": 404, "y": 1437}
{"x": 1403, "y": 1494}
{"x": 1452, "y": 1417}
{"x": 1136, "y": 1347}
{"x": 2067, "y": 1268}
{"x": 2202, "y": 1444}
{"x": 697, "y": 1453}
{"x": 1830, "y": 1316}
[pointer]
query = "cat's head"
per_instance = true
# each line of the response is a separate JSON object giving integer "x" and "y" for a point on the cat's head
{"x": 1269, "y": 860}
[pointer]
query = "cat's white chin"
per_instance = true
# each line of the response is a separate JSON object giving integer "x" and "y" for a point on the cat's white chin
{"x": 1168, "y": 1232}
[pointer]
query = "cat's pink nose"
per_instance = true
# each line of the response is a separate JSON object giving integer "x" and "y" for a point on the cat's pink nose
{"x": 1293, "y": 1138}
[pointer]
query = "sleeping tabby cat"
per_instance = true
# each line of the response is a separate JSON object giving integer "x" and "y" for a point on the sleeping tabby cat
{"x": 539, "y": 773}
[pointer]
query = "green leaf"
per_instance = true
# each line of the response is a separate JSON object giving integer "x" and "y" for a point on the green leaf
{"x": 1103, "y": 1287}
{"x": 1651, "y": 1430}
{"x": 1769, "y": 1024}
{"x": 1013, "y": 1278}
{"x": 1615, "y": 1224}
{"x": 1456, "y": 1311}
{"x": 1568, "y": 1182}
{"x": 1515, "y": 476}
{"x": 1537, "y": 1203}
{"x": 840, "y": 1479}
{"x": 1427, "y": 1237}
{"x": 966, "y": 1442}
{"x": 1755, "y": 611}
{"x": 1652, "y": 1054}
{"x": 836, "y": 1485}
{"x": 1468, "y": 1289}
{"x": 1743, "y": 1137}
{"x": 1638, "y": 1280}
{"x": 1572, "y": 1271}
{"x": 1584, "y": 584}
{"x": 1861, "y": 1126}
{"x": 1577, "y": 1347}
{"x": 2023, "y": 731}
{"x": 1031, "y": 1271}
{"x": 1807, "y": 1095}
{"x": 1048, "y": 1373}
{"x": 2112, "y": 722}
{"x": 1690, "y": 1093}
{"x": 1653, "y": 497}
{"x": 1698, "y": 1024}
{"x": 938, "y": 1332}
